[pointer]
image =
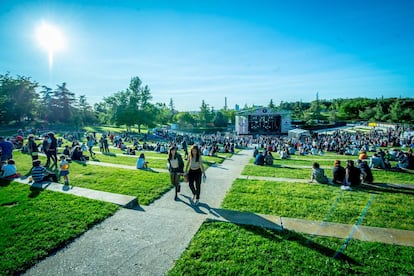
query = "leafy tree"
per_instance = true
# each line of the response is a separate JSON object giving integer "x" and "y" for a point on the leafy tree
{"x": 271, "y": 104}
{"x": 220, "y": 120}
{"x": 85, "y": 114}
{"x": 205, "y": 116}
{"x": 395, "y": 108}
{"x": 298, "y": 111}
{"x": 63, "y": 103}
{"x": 46, "y": 103}
{"x": 163, "y": 114}
{"x": 132, "y": 106}
{"x": 17, "y": 98}
{"x": 229, "y": 114}
{"x": 185, "y": 119}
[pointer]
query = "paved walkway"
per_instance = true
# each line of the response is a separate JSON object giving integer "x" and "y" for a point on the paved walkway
{"x": 147, "y": 240}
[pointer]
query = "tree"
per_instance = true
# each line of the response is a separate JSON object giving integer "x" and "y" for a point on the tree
{"x": 220, "y": 120}
{"x": 205, "y": 116}
{"x": 85, "y": 115}
{"x": 17, "y": 98}
{"x": 185, "y": 119}
{"x": 132, "y": 106}
{"x": 395, "y": 108}
{"x": 271, "y": 104}
{"x": 46, "y": 102}
{"x": 63, "y": 103}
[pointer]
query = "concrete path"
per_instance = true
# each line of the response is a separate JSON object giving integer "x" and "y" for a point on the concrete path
{"x": 147, "y": 240}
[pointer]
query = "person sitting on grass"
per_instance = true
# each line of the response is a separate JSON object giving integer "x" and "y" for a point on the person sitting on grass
{"x": 366, "y": 173}
{"x": 338, "y": 173}
{"x": 318, "y": 174}
{"x": 40, "y": 173}
{"x": 269, "y": 158}
{"x": 9, "y": 170}
{"x": 141, "y": 163}
{"x": 260, "y": 160}
{"x": 352, "y": 175}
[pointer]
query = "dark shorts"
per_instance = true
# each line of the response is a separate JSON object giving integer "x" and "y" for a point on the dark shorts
{"x": 64, "y": 173}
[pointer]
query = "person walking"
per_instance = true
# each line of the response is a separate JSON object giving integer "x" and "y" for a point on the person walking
{"x": 51, "y": 151}
{"x": 176, "y": 168}
{"x": 32, "y": 147}
{"x": 90, "y": 143}
{"x": 195, "y": 170}
{"x": 185, "y": 149}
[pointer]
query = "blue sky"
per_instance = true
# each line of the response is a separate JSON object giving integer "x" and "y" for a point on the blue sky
{"x": 247, "y": 51}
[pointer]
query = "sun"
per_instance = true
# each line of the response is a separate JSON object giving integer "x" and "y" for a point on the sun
{"x": 50, "y": 38}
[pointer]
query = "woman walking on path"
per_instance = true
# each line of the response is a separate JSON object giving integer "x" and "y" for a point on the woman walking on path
{"x": 195, "y": 170}
{"x": 176, "y": 168}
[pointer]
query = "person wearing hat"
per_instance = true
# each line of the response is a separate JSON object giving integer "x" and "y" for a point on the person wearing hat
{"x": 176, "y": 168}
{"x": 40, "y": 173}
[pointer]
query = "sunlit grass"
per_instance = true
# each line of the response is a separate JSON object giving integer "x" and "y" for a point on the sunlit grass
{"x": 297, "y": 171}
{"x": 391, "y": 209}
{"x": 227, "y": 249}
{"x": 35, "y": 222}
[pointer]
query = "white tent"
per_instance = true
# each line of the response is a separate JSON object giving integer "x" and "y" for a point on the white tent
{"x": 298, "y": 133}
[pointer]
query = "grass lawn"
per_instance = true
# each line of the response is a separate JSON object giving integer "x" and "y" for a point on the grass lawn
{"x": 227, "y": 249}
{"x": 218, "y": 248}
{"x": 322, "y": 202}
{"x": 146, "y": 185}
{"x": 34, "y": 223}
{"x": 290, "y": 171}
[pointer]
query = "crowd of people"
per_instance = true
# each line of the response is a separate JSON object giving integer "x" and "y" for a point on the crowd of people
{"x": 367, "y": 147}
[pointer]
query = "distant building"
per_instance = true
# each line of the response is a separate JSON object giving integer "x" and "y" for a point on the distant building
{"x": 263, "y": 121}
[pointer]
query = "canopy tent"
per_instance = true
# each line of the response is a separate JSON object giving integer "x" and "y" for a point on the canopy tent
{"x": 298, "y": 133}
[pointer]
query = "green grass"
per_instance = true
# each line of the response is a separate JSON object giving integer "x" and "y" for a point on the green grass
{"x": 289, "y": 170}
{"x": 227, "y": 249}
{"x": 146, "y": 185}
{"x": 34, "y": 223}
{"x": 322, "y": 202}
{"x": 224, "y": 248}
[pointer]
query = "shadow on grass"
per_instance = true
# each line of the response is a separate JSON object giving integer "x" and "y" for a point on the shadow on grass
{"x": 259, "y": 225}
{"x": 4, "y": 182}
{"x": 37, "y": 188}
{"x": 385, "y": 188}
{"x": 83, "y": 163}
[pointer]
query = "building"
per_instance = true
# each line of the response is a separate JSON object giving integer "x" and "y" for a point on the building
{"x": 262, "y": 121}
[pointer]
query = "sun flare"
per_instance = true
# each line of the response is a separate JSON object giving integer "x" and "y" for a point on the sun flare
{"x": 51, "y": 39}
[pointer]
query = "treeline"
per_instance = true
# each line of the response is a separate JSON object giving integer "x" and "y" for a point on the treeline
{"x": 25, "y": 101}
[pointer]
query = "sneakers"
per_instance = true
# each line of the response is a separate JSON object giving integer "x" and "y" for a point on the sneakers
{"x": 346, "y": 188}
